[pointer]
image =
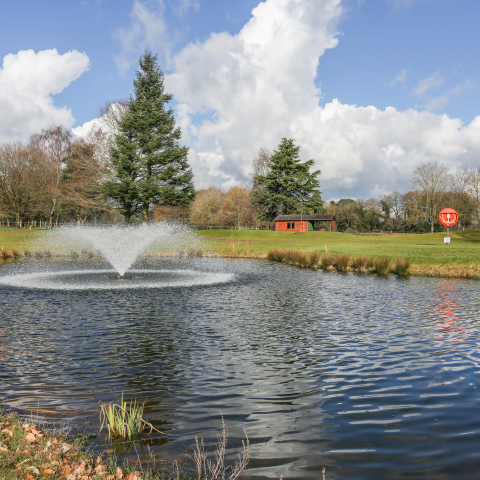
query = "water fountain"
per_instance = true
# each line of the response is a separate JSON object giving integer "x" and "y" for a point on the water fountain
{"x": 121, "y": 246}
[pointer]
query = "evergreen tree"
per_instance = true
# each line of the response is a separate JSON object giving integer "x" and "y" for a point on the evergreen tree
{"x": 149, "y": 165}
{"x": 289, "y": 187}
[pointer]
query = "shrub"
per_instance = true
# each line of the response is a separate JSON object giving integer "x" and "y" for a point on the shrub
{"x": 327, "y": 261}
{"x": 16, "y": 254}
{"x": 74, "y": 254}
{"x": 38, "y": 255}
{"x": 48, "y": 254}
{"x": 381, "y": 265}
{"x": 360, "y": 263}
{"x": 341, "y": 262}
{"x": 4, "y": 254}
{"x": 27, "y": 254}
{"x": 402, "y": 266}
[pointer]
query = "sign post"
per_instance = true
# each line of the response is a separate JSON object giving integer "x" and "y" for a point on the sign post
{"x": 448, "y": 217}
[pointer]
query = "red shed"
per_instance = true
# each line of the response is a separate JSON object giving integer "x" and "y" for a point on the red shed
{"x": 301, "y": 223}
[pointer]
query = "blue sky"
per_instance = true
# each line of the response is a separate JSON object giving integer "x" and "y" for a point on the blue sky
{"x": 418, "y": 56}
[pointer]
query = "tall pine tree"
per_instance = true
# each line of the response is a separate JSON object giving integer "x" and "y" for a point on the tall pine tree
{"x": 149, "y": 167}
{"x": 289, "y": 187}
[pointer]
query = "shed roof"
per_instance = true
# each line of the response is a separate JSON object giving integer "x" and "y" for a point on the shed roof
{"x": 311, "y": 218}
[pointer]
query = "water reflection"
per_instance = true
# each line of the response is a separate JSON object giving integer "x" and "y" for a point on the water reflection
{"x": 450, "y": 326}
{"x": 349, "y": 372}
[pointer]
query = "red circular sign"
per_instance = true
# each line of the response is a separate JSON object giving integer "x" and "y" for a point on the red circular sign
{"x": 448, "y": 217}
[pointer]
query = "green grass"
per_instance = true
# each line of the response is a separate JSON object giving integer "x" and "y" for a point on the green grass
{"x": 17, "y": 238}
{"x": 424, "y": 249}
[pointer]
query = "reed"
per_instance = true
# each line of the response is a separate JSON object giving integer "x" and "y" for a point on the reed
{"x": 124, "y": 420}
{"x": 275, "y": 255}
{"x": 402, "y": 267}
{"x": 341, "y": 262}
{"x": 314, "y": 259}
{"x": 381, "y": 265}
{"x": 359, "y": 264}
{"x": 327, "y": 261}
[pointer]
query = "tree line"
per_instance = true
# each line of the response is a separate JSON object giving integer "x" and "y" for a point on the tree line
{"x": 132, "y": 161}
{"x": 129, "y": 163}
{"x": 416, "y": 211}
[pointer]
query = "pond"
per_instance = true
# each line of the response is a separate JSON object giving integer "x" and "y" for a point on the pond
{"x": 367, "y": 376}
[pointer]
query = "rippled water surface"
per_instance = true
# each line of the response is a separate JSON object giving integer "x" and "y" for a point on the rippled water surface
{"x": 371, "y": 377}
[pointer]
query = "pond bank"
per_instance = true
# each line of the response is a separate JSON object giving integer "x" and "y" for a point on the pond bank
{"x": 29, "y": 449}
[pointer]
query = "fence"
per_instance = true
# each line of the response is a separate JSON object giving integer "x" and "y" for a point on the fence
{"x": 229, "y": 227}
{"x": 27, "y": 224}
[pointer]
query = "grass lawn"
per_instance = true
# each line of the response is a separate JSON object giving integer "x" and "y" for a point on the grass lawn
{"x": 17, "y": 238}
{"x": 428, "y": 253}
{"x": 424, "y": 249}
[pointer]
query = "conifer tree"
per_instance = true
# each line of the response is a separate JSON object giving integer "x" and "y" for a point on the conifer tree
{"x": 149, "y": 167}
{"x": 289, "y": 186}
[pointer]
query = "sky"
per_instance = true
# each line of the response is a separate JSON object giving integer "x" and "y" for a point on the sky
{"x": 369, "y": 89}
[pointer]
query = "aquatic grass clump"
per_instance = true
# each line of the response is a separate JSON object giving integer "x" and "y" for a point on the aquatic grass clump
{"x": 301, "y": 259}
{"x": 275, "y": 255}
{"x": 381, "y": 265}
{"x": 124, "y": 420}
{"x": 402, "y": 267}
{"x": 327, "y": 261}
{"x": 341, "y": 262}
{"x": 314, "y": 259}
{"x": 359, "y": 264}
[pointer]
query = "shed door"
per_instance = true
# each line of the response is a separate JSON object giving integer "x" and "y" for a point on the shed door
{"x": 310, "y": 226}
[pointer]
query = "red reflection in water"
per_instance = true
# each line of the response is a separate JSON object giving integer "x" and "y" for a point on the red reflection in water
{"x": 450, "y": 328}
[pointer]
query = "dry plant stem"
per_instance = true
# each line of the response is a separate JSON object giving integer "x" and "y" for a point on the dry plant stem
{"x": 216, "y": 469}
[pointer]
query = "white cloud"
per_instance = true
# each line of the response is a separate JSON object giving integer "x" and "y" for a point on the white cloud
{"x": 399, "y": 78}
{"x": 147, "y": 29}
{"x": 184, "y": 5}
{"x": 28, "y": 80}
{"x": 238, "y": 93}
{"x": 439, "y": 103}
{"x": 430, "y": 83}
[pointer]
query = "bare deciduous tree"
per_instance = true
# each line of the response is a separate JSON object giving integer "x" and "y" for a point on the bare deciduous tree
{"x": 205, "y": 209}
{"x": 237, "y": 207}
{"x": 473, "y": 187}
{"x": 19, "y": 168}
{"x": 102, "y": 134}
{"x": 431, "y": 179}
{"x": 80, "y": 186}
{"x": 55, "y": 142}
{"x": 261, "y": 167}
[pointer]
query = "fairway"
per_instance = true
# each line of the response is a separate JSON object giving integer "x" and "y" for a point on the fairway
{"x": 427, "y": 252}
{"x": 422, "y": 249}
{"x": 17, "y": 238}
